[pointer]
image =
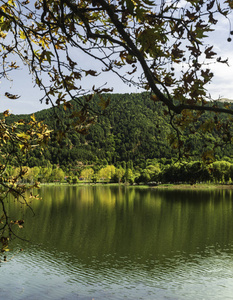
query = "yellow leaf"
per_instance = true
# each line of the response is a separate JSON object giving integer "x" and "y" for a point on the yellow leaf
{"x": 11, "y": 3}
{"x": 6, "y": 113}
{"x": 22, "y": 35}
{"x": 33, "y": 118}
{"x": 23, "y": 135}
{"x": 2, "y": 34}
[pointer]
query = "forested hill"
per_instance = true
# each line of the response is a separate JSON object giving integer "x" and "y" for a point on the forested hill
{"x": 132, "y": 128}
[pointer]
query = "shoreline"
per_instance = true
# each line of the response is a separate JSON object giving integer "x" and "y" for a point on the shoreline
{"x": 181, "y": 186}
{"x": 199, "y": 186}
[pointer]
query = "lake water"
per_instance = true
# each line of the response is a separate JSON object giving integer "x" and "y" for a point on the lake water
{"x": 101, "y": 242}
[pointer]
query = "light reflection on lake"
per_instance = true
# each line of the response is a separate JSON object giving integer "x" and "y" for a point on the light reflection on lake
{"x": 101, "y": 242}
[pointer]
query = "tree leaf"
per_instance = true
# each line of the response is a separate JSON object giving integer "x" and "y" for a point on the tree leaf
{"x": 11, "y": 96}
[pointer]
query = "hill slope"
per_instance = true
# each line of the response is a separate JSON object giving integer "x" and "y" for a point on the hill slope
{"x": 132, "y": 128}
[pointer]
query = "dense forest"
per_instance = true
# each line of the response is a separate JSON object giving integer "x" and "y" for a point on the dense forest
{"x": 132, "y": 132}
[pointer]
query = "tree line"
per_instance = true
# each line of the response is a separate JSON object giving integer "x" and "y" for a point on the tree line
{"x": 154, "y": 173}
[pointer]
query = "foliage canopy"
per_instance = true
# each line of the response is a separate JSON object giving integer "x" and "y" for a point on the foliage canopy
{"x": 165, "y": 39}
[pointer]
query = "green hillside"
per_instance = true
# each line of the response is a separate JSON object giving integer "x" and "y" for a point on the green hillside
{"x": 132, "y": 128}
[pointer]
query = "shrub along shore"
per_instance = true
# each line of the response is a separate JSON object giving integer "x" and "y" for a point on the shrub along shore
{"x": 178, "y": 175}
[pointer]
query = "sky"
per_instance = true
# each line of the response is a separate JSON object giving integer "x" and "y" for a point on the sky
{"x": 22, "y": 84}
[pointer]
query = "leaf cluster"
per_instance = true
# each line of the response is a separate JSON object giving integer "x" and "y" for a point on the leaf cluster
{"x": 17, "y": 139}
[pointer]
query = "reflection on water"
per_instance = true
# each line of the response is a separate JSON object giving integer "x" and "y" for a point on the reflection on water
{"x": 115, "y": 242}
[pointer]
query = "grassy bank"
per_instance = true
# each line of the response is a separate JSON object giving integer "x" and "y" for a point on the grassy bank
{"x": 199, "y": 186}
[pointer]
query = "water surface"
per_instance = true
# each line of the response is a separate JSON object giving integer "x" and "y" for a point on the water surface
{"x": 101, "y": 242}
